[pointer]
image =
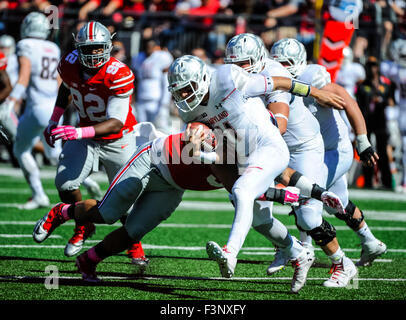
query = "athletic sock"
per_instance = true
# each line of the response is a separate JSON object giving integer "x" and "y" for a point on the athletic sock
{"x": 365, "y": 234}
{"x": 337, "y": 256}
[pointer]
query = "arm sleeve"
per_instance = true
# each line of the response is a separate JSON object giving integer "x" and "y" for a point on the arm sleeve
{"x": 117, "y": 108}
{"x": 257, "y": 85}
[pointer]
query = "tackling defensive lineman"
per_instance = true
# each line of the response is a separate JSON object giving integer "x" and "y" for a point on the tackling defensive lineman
{"x": 157, "y": 173}
{"x": 101, "y": 89}
{"x": 338, "y": 148}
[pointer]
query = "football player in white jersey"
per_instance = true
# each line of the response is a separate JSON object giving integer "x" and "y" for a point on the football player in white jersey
{"x": 38, "y": 84}
{"x": 338, "y": 148}
{"x": 396, "y": 72}
{"x": 221, "y": 102}
{"x": 153, "y": 98}
{"x": 301, "y": 133}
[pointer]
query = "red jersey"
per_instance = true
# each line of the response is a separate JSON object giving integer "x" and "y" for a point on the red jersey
{"x": 3, "y": 61}
{"x": 188, "y": 176}
{"x": 91, "y": 96}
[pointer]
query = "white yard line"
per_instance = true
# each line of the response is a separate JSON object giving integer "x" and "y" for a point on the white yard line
{"x": 196, "y": 225}
{"x": 264, "y": 250}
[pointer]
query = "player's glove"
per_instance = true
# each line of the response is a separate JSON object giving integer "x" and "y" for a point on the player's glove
{"x": 365, "y": 151}
{"x": 288, "y": 195}
{"x": 72, "y": 133}
{"x": 47, "y": 133}
{"x": 331, "y": 200}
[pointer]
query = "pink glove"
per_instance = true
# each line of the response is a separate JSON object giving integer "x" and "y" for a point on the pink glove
{"x": 72, "y": 133}
{"x": 47, "y": 134}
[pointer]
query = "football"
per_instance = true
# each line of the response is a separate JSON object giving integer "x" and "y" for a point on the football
{"x": 210, "y": 142}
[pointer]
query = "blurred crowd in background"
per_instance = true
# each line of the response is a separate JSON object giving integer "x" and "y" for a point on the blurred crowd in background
{"x": 203, "y": 27}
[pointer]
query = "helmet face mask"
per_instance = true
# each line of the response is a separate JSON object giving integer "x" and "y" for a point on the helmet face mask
{"x": 188, "y": 82}
{"x": 244, "y": 49}
{"x": 291, "y": 54}
{"x": 93, "y": 43}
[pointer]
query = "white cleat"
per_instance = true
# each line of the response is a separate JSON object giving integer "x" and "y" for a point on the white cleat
{"x": 223, "y": 257}
{"x": 302, "y": 266}
{"x": 279, "y": 263}
{"x": 370, "y": 251}
{"x": 36, "y": 203}
{"x": 342, "y": 274}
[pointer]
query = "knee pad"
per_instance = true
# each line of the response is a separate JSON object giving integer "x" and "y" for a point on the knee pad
{"x": 348, "y": 216}
{"x": 323, "y": 234}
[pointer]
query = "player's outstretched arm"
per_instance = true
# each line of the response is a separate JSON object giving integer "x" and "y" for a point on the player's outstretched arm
{"x": 303, "y": 89}
{"x": 367, "y": 154}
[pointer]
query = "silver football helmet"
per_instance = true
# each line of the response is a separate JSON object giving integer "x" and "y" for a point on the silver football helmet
{"x": 291, "y": 54}
{"x": 35, "y": 25}
{"x": 246, "y": 47}
{"x": 188, "y": 74}
{"x": 7, "y": 44}
{"x": 93, "y": 36}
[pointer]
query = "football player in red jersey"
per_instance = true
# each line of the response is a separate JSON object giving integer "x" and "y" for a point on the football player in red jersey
{"x": 153, "y": 182}
{"x": 101, "y": 88}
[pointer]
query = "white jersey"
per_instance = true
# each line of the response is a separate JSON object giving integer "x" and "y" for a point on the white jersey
{"x": 151, "y": 76}
{"x": 349, "y": 75}
{"x": 44, "y": 56}
{"x": 229, "y": 107}
{"x": 332, "y": 126}
{"x": 302, "y": 126}
{"x": 12, "y": 68}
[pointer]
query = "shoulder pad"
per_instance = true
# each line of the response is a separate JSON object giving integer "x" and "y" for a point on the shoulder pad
{"x": 238, "y": 76}
{"x": 316, "y": 75}
{"x": 65, "y": 66}
{"x": 24, "y": 48}
{"x": 119, "y": 78}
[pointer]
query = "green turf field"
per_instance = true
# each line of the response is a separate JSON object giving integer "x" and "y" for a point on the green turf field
{"x": 179, "y": 268}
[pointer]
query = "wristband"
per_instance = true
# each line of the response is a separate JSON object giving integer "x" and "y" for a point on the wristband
{"x": 362, "y": 142}
{"x": 18, "y": 91}
{"x": 299, "y": 88}
{"x": 85, "y": 132}
{"x": 317, "y": 191}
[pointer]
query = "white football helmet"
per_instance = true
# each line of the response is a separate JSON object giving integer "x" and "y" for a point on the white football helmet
{"x": 35, "y": 25}
{"x": 246, "y": 47}
{"x": 291, "y": 54}
{"x": 7, "y": 44}
{"x": 93, "y": 35}
{"x": 188, "y": 73}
